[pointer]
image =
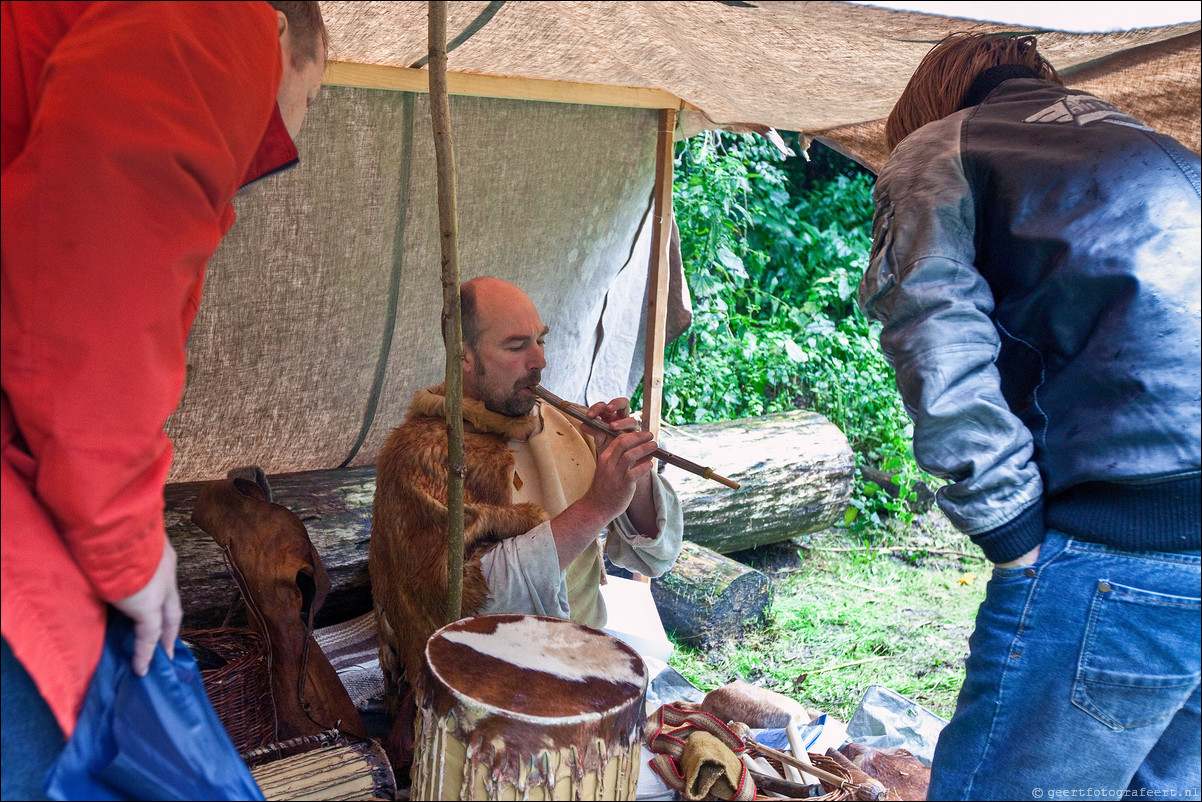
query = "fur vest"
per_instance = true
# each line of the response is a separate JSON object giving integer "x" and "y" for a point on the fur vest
{"x": 407, "y": 559}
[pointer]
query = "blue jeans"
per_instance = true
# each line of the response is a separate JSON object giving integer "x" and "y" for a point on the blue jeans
{"x": 1082, "y": 681}
{"x": 32, "y": 738}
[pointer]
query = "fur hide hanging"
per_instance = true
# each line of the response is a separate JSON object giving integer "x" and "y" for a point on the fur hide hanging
{"x": 283, "y": 582}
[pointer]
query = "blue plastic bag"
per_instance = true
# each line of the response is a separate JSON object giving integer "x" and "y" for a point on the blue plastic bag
{"x": 778, "y": 739}
{"x": 151, "y": 737}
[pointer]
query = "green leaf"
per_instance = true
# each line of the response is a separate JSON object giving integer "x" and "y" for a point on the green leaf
{"x": 728, "y": 259}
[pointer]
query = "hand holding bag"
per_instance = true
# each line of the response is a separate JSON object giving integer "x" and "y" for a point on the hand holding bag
{"x": 152, "y": 737}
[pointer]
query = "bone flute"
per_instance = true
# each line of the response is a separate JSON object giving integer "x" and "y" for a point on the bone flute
{"x": 578, "y": 412}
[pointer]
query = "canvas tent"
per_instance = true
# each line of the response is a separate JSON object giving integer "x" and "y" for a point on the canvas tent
{"x": 321, "y": 310}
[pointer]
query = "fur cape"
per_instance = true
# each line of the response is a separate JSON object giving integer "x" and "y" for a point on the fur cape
{"x": 407, "y": 559}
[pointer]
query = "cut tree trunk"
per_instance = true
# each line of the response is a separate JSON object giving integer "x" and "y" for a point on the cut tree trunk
{"x": 796, "y": 472}
{"x": 707, "y": 598}
{"x": 795, "y": 468}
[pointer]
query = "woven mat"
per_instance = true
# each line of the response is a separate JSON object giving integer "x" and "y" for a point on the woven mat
{"x": 352, "y": 649}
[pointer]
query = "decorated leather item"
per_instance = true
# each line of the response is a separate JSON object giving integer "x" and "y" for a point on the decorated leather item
{"x": 284, "y": 583}
{"x": 698, "y": 756}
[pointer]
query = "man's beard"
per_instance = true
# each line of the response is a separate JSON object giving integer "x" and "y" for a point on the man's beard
{"x": 513, "y": 404}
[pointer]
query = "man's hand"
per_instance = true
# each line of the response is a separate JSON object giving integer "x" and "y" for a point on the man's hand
{"x": 155, "y": 611}
{"x": 1022, "y": 562}
{"x": 640, "y": 508}
{"x": 623, "y": 468}
{"x": 621, "y": 464}
{"x": 615, "y": 414}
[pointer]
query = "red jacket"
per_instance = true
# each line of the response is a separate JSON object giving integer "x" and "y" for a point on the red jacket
{"x": 127, "y": 130}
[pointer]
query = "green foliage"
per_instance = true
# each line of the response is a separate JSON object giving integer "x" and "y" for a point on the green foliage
{"x": 773, "y": 254}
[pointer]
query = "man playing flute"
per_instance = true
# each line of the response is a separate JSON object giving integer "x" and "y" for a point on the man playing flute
{"x": 539, "y": 490}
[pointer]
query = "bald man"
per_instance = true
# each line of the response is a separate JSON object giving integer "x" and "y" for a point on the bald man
{"x": 539, "y": 491}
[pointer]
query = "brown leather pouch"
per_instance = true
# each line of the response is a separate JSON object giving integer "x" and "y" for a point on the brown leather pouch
{"x": 284, "y": 583}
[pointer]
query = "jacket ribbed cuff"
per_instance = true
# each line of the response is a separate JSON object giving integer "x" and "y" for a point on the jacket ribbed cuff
{"x": 1014, "y": 538}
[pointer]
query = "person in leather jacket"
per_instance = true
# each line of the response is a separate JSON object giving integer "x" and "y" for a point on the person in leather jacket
{"x": 1035, "y": 266}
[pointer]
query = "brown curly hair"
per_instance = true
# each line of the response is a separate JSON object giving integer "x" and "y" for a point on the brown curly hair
{"x": 937, "y": 88}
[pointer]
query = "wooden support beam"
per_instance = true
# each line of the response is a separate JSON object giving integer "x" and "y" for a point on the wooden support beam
{"x": 657, "y": 279}
{"x": 406, "y": 79}
{"x": 448, "y": 228}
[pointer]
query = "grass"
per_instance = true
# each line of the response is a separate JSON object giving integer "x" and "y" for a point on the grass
{"x": 845, "y": 617}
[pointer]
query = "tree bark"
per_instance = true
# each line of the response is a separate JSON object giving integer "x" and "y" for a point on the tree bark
{"x": 796, "y": 472}
{"x": 707, "y": 598}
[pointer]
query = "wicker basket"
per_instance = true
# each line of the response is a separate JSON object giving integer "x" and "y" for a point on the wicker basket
{"x": 240, "y": 690}
{"x": 833, "y": 793}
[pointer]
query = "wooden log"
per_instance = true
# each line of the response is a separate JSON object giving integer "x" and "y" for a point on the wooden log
{"x": 334, "y": 506}
{"x": 796, "y": 472}
{"x": 707, "y": 598}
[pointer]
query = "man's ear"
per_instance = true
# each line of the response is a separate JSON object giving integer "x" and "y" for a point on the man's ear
{"x": 282, "y": 21}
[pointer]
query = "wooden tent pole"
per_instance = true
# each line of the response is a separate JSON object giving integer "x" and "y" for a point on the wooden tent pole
{"x": 657, "y": 291}
{"x": 657, "y": 279}
{"x": 448, "y": 227}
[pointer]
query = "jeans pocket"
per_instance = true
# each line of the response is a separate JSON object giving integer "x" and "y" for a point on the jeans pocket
{"x": 1050, "y": 548}
{"x": 1139, "y": 658}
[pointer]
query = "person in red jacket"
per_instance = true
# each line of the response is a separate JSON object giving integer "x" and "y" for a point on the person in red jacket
{"x": 127, "y": 130}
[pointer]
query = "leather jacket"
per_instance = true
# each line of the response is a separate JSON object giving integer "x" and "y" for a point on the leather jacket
{"x": 1035, "y": 266}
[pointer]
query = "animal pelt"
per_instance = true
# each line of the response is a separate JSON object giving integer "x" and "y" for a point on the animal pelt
{"x": 871, "y": 789}
{"x": 408, "y": 553}
{"x": 283, "y": 583}
{"x": 897, "y": 769}
{"x": 756, "y": 707}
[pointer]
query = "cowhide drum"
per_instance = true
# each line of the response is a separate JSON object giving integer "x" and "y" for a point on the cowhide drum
{"x": 528, "y": 707}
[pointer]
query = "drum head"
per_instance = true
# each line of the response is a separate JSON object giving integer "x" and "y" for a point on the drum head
{"x": 535, "y": 667}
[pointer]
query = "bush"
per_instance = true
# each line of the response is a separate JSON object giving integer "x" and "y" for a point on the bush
{"x": 773, "y": 252}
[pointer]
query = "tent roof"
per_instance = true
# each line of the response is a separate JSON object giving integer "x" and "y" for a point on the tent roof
{"x": 828, "y": 69}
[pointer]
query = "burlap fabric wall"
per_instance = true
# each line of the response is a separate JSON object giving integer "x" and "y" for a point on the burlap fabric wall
{"x": 301, "y": 360}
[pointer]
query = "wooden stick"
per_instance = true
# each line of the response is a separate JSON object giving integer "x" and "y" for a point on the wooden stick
{"x": 793, "y": 774}
{"x": 440, "y": 118}
{"x": 777, "y": 785}
{"x": 758, "y": 764}
{"x": 843, "y": 581}
{"x": 658, "y": 271}
{"x": 579, "y": 413}
{"x": 799, "y": 751}
{"x": 847, "y": 665}
{"x": 786, "y": 758}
